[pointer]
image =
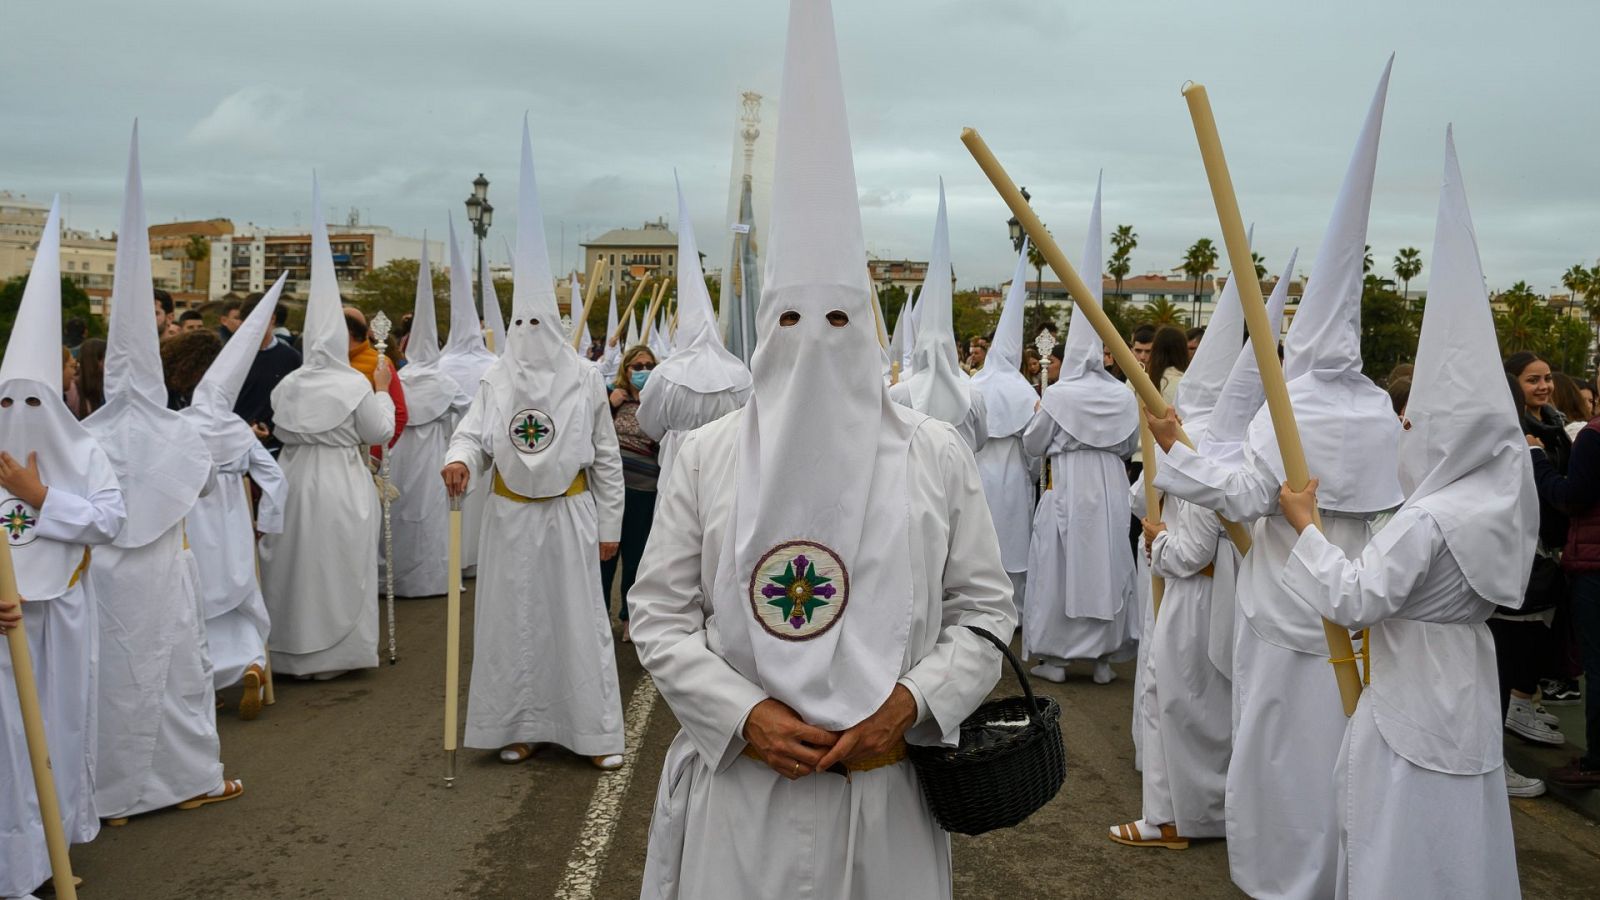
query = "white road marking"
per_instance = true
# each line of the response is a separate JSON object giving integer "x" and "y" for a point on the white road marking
{"x": 600, "y": 823}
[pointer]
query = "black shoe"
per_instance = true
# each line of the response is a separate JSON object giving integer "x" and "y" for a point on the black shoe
{"x": 1560, "y": 693}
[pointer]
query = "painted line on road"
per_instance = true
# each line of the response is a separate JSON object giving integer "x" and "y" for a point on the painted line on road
{"x": 600, "y": 824}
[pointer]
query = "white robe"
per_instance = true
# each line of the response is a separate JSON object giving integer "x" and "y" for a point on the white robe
{"x": 223, "y": 539}
{"x": 974, "y": 429}
{"x": 543, "y": 665}
{"x": 320, "y": 576}
{"x": 1281, "y": 817}
{"x": 1080, "y": 564}
{"x": 420, "y": 516}
{"x": 1425, "y": 739}
{"x": 1188, "y": 711}
{"x": 668, "y": 411}
{"x": 727, "y": 827}
{"x": 158, "y": 743}
{"x": 64, "y": 637}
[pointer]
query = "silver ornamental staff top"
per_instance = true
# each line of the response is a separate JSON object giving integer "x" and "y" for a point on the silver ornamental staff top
{"x": 380, "y": 331}
{"x": 1044, "y": 343}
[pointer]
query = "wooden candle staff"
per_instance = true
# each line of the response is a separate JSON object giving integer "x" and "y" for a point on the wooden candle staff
{"x": 44, "y": 781}
{"x": 588, "y": 303}
{"x": 622, "y": 317}
{"x": 1152, "y": 502}
{"x": 650, "y": 315}
{"x": 452, "y": 637}
{"x": 1265, "y": 344}
{"x": 1086, "y": 303}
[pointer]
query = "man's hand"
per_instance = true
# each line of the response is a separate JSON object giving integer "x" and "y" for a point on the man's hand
{"x": 1152, "y": 529}
{"x": 608, "y": 549}
{"x": 455, "y": 477}
{"x": 1299, "y": 507}
{"x": 1534, "y": 442}
{"x": 1164, "y": 428}
{"x": 10, "y": 616}
{"x": 260, "y": 431}
{"x": 790, "y": 746}
{"x": 23, "y": 481}
{"x": 382, "y": 375}
{"x": 876, "y": 734}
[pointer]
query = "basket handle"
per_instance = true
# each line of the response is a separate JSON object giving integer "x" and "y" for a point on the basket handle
{"x": 1016, "y": 667}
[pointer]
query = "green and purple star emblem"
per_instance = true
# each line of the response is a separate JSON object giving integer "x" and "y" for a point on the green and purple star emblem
{"x": 531, "y": 431}
{"x": 799, "y": 590}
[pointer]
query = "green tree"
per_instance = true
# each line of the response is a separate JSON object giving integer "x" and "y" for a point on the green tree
{"x": 74, "y": 305}
{"x": 1366, "y": 260}
{"x": 1159, "y": 312}
{"x": 392, "y": 288}
{"x": 1407, "y": 265}
{"x": 1199, "y": 260}
{"x": 893, "y": 301}
{"x": 1389, "y": 328}
{"x": 198, "y": 250}
{"x": 969, "y": 317}
{"x": 1260, "y": 264}
{"x": 1123, "y": 241}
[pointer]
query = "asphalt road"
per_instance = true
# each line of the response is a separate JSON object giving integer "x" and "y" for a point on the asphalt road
{"x": 344, "y": 799}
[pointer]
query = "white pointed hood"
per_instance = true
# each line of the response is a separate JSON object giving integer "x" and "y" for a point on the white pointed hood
{"x": 1242, "y": 392}
{"x": 823, "y": 452}
{"x": 494, "y": 319}
{"x": 1009, "y": 399}
{"x": 36, "y": 420}
{"x": 632, "y": 337}
{"x": 1347, "y": 424}
{"x": 913, "y": 317}
{"x": 1464, "y": 460}
{"x": 227, "y": 436}
{"x": 466, "y": 357}
{"x": 431, "y": 390}
{"x": 538, "y": 382}
{"x": 1088, "y": 403}
{"x": 698, "y": 362}
{"x": 159, "y": 456}
{"x": 326, "y": 389}
{"x": 1326, "y": 334}
{"x": 611, "y": 351}
{"x": 1213, "y": 359}
{"x": 937, "y": 385}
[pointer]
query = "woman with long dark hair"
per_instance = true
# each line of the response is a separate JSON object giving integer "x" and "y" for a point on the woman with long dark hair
{"x": 91, "y": 376}
{"x": 640, "y": 469}
{"x": 1169, "y": 359}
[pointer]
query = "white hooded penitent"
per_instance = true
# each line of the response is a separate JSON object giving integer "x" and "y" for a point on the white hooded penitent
{"x": 326, "y": 389}
{"x": 1086, "y": 401}
{"x": 227, "y": 436}
{"x": 160, "y": 457}
{"x": 1464, "y": 460}
{"x": 1008, "y": 397}
{"x": 465, "y": 355}
{"x": 698, "y": 362}
{"x": 937, "y": 385}
{"x": 494, "y": 320}
{"x": 431, "y": 389}
{"x": 1346, "y": 422}
{"x": 611, "y": 352}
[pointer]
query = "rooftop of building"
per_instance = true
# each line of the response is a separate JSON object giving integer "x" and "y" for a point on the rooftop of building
{"x": 651, "y": 234}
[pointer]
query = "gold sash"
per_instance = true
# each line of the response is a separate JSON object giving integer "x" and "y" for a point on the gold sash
{"x": 579, "y": 485}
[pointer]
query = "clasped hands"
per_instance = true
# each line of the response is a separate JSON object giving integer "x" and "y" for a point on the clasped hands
{"x": 795, "y": 749}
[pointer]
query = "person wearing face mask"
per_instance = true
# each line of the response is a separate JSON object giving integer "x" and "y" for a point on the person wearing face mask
{"x": 543, "y": 665}
{"x": 322, "y": 595}
{"x": 640, "y": 473}
{"x": 700, "y": 381}
{"x": 815, "y": 557}
{"x": 59, "y": 496}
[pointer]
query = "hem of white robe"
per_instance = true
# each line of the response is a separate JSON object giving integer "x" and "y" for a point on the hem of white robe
{"x": 536, "y": 732}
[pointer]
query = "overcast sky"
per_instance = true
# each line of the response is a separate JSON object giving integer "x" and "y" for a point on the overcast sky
{"x": 399, "y": 104}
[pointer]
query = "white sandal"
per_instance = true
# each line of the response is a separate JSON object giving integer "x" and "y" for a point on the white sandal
{"x": 1140, "y": 833}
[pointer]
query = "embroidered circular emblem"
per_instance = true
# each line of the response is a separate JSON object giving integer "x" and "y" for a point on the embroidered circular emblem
{"x": 532, "y": 431}
{"x": 20, "y": 522}
{"x": 799, "y": 590}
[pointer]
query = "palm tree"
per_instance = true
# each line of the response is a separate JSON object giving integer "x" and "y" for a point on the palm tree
{"x": 1407, "y": 265}
{"x": 1200, "y": 259}
{"x": 1583, "y": 281}
{"x": 1123, "y": 240}
{"x": 1366, "y": 260}
{"x": 1162, "y": 311}
{"x": 1260, "y": 263}
{"x": 1118, "y": 269}
{"x": 1036, "y": 259}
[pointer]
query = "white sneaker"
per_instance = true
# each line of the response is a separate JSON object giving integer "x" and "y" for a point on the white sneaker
{"x": 1522, "y": 785}
{"x": 1103, "y": 673}
{"x": 1545, "y": 715}
{"x": 1524, "y": 723}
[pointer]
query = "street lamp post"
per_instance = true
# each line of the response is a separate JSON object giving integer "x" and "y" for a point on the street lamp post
{"x": 1017, "y": 236}
{"x": 480, "y": 213}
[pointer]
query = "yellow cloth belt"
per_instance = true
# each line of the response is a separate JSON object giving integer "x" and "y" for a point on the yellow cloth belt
{"x": 579, "y": 485}
{"x": 83, "y": 566}
{"x": 867, "y": 764}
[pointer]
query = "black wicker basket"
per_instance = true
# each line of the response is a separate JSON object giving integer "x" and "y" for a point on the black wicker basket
{"x": 1009, "y": 763}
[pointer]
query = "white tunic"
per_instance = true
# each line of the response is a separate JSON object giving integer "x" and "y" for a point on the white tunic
{"x": 158, "y": 742}
{"x": 1188, "y": 719}
{"x": 543, "y": 665}
{"x": 420, "y": 516}
{"x": 320, "y": 576}
{"x": 1008, "y": 474}
{"x": 1282, "y": 834}
{"x": 1080, "y": 564}
{"x": 1426, "y": 735}
{"x": 974, "y": 428}
{"x": 63, "y": 636}
{"x": 726, "y": 826}
{"x": 223, "y": 539}
{"x": 668, "y": 411}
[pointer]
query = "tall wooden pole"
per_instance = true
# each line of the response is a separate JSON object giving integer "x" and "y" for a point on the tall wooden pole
{"x": 1086, "y": 303}
{"x": 452, "y": 637}
{"x": 650, "y": 315}
{"x": 44, "y": 781}
{"x": 588, "y": 302}
{"x": 1152, "y": 502}
{"x": 1265, "y": 344}
{"x": 622, "y": 317}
